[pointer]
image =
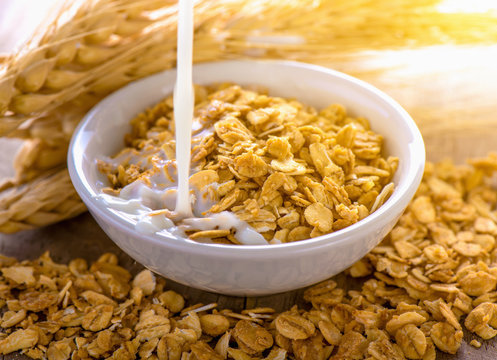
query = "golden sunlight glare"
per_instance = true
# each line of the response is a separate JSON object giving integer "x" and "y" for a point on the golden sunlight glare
{"x": 466, "y": 6}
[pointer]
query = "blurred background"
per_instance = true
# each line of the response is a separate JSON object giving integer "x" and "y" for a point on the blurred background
{"x": 19, "y": 19}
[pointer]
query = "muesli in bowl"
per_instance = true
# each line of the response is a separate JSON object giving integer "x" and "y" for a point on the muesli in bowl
{"x": 265, "y": 170}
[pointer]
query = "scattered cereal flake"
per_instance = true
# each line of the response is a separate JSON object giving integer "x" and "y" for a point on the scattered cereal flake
{"x": 479, "y": 320}
{"x": 232, "y": 130}
{"x": 319, "y": 216}
{"x": 475, "y": 343}
{"x": 20, "y": 274}
{"x": 446, "y": 338}
{"x": 293, "y": 326}
{"x": 19, "y": 339}
{"x": 423, "y": 209}
{"x": 200, "y": 180}
{"x": 214, "y": 325}
{"x": 252, "y": 338}
{"x": 145, "y": 280}
{"x": 478, "y": 283}
{"x": 412, "y": 341}
{"x": 279, "y": 147}
{"x": 210, "y": 234}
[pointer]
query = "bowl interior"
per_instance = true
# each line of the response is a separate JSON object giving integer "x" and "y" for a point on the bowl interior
{"x": 102, "y": 131}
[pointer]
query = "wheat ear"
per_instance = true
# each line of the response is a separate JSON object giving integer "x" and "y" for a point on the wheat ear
{"x": 46, "y": 200}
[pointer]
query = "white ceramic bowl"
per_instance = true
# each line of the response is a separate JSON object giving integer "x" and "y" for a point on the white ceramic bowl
{"x": 237, "y": 269}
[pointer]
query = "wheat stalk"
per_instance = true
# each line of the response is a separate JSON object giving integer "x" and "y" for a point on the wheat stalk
{"x": 46, "y": 200}
{"x": 92, "y": 48}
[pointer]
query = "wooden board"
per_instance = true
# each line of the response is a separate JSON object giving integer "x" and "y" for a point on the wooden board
{"x": 82, "y": 237}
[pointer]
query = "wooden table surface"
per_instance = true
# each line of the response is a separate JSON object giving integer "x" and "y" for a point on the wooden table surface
{"x": 82, "y": 237}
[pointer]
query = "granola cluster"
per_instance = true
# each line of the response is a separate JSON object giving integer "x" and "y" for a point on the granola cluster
{"x": 289, "y": 171}
{"x": 435, "y": 273}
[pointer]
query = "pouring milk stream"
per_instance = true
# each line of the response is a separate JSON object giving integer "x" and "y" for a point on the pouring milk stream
{"x": 184, "y": 100}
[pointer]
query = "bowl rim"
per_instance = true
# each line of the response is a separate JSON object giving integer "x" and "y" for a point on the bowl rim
{"x": 399, "y": 198}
